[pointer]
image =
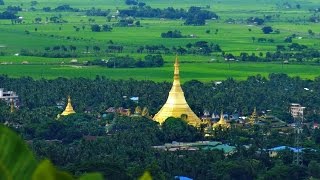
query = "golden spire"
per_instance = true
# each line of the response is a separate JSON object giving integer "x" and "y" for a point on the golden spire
{"x": 11, "y": 106}
{"x": 222, "y": 122}
{"x": 176, "y": 104}
{"x": 137, "y": 110}
{"x": 253, "y": 116}
{"x": 145, "y": 112}
{"x": 69, "y": 109}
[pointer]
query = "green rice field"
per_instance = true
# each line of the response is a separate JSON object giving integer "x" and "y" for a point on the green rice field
{"x": 200, "y": 71}
{"x": 232, "y": 37}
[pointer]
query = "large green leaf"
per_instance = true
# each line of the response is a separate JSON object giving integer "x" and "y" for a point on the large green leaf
{"x": 47, "y": 171}
{"x": 16, "y": 160}
{"x": 146, "y": 176}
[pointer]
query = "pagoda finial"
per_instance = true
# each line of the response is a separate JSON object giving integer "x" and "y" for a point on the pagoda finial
{"x": 222, "y": 117}
{"x": 176, "y": 70}
{"x": 11, "y": 106}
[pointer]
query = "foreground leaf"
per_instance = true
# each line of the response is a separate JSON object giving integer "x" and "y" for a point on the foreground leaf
{"x": 16, "y": 160}
{"x": 146, "y": 176}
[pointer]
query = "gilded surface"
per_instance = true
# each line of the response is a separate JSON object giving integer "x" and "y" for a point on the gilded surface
{"x": 69, "y": 109}
{"x": 222, "y": 122}
{"x": 176, "y": 104}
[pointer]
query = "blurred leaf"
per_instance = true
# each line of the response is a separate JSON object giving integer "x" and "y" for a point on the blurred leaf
{"x": 92, "y": 176}
{"x": 16, "y": 160}
{"x": 47, "y": 171}
{"x": 146, "y": 176}
{"x": 44, "y": 171}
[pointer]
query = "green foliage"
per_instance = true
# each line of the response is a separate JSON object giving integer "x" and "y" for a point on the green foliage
{"x": 314, "y": 169}
{"x": 46, "y": 170}
{"x": 95, "y": 28}
{"x": 267, "y": 30}
{"x": 146, "y": 176}
{"x": 16, "y": 160}
{"x": 176, "y": 129}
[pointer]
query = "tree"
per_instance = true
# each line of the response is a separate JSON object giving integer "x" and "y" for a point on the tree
{"x": 267, "y": 30}
{"x": 138, "y": 24}
{"x": 46, "y": 9}
{"x": 96, "y": 48}
{"x": 176, "y": 129}
{"x": 310, "y": 32}
{"x": 95, "y": 28}
{"x": 253, "y": 39}
{"x": 37, "y": 19}
{"x": 106, "y": 28}
{"x": 314, "y": 169}
{"x": 34, "y": 3}
{"x": 1, "y": 2}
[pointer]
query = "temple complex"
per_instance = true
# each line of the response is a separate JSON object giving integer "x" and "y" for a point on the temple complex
{"x": 69, "y": 109}
{"x": 176, "y": 104}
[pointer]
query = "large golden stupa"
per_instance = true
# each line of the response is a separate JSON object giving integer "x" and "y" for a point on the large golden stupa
{"x": 176, "y": 105}
{"x": 69, "y": 109}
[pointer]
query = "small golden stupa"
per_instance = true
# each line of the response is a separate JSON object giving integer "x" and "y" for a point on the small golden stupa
{"x": 176, "y": 105}
{"x": 222, "y": 122}
{"x": 253, "y": 117}
{"x": 69, "y": 109}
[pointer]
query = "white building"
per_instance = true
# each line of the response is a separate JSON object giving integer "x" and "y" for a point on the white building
{"x": 9, "y": 96}
{"x": 296, "y": 110}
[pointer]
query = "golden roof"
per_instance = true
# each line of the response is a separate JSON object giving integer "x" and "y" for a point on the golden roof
{"x": 222, "y": 122}
{"x": 176, "y": 104}
{"x": 69, "y": 109}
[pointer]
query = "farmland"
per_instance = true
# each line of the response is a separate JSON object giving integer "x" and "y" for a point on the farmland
{"x": 234, "y": 37}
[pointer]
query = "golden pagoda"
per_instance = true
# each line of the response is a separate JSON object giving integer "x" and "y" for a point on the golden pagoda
{"x": 253, "y": 117}
{"x": 222, "y": 122}
{"x": 176, "y": 104}
{"x": 69, "y": 109}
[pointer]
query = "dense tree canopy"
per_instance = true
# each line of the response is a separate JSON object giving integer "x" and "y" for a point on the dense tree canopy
{"x": 121, "y": 146}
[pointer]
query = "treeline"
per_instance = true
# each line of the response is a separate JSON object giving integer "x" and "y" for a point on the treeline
{"x": 10, "y": 12}
{"x": 61, "y": 8}
{"x": 172, "y": 34}
{"x": 127, "y": 22}
{"x": 292, "y": 52}
{"x": 275, "y": 93}
{"x": 99, "y": 28}
{"x": 97, "y": 12}
{"x": 135, "y": 3}
{"x": 199, "y": 47}
{"x": 52, "y": 52}
{"x": 66, "y": 7}
{"x": 7, "y": 15}
{"x": 129, "y": 62}
{"x": 193, "y": 16}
